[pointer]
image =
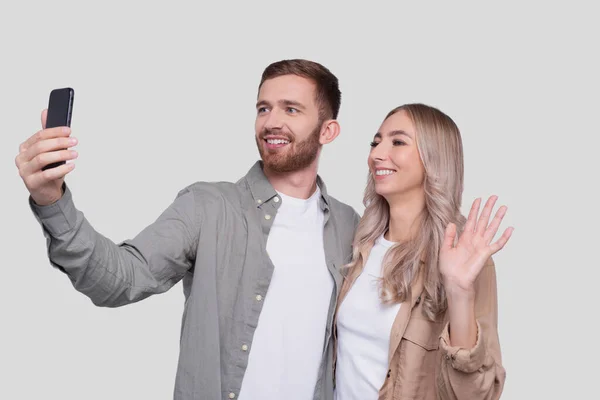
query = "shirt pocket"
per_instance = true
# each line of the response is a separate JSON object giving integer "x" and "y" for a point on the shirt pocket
{"x": 423, "y": 333}
{"x": 417, "y": 360}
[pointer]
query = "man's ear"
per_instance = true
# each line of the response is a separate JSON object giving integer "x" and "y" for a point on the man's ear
{"x": 329, "y": 131}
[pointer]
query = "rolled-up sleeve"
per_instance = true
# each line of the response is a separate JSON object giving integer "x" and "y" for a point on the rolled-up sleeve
{"x": 476, "y": 373}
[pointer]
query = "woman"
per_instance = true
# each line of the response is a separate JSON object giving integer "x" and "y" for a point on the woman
{"x": 417, "y": 314}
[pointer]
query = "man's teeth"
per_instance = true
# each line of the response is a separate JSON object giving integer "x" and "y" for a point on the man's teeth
{"x": 277, "y": 141}
{"x": 384, "y": 172}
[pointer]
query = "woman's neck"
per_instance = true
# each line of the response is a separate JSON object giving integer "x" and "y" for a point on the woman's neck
{"x": 405, "y": 215}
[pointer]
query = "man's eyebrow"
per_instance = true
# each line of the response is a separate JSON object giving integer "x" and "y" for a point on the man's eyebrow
{"x": 284, "y": 103}
{"x": 262, "y": 103}
{"x": 292, "y": 103}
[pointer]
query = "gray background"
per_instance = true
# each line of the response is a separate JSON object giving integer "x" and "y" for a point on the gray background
{"x": 164, "y": 96}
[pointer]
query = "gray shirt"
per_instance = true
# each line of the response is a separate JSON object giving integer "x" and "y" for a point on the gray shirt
{"x": 212, "y": 237}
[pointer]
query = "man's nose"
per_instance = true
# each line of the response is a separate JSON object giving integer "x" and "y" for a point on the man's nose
{"x": 274, "y": 120}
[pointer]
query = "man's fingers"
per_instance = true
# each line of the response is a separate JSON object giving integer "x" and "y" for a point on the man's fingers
{"x": 61, "y": 131}
{"x": 44, "y": 117}
{"x": 42, "y": 177}
{"x": 47, "y": 145}
{"x": 43, "y": 159}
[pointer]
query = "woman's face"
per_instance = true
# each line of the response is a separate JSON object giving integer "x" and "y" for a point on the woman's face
{"x": 394, "y": 159}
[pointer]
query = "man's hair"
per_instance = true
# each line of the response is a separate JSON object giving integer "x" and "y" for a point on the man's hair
{"x": 328, "y": 95}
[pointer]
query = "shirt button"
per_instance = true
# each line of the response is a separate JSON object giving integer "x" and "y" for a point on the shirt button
{"x": 232, "y": 395}
{"x": 245, "y": 347}
{"x": 276, "y": 199}
{"x": 258, "y": 297}
{"x": 267, "y": 217}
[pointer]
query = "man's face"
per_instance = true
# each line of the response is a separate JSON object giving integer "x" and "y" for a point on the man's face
{"x": 287, "y": 123}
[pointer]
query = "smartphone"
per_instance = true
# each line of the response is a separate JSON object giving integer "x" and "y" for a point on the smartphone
{"x": 60, "y": 110}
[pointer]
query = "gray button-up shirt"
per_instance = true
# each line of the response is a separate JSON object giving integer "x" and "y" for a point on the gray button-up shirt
{"x": 212, "y": 237}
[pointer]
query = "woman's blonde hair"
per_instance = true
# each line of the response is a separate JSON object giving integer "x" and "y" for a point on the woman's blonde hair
{"x": 439, "y": 145}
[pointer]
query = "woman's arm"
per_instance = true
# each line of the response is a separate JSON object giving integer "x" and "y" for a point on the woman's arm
{"x": 471, "y": 366}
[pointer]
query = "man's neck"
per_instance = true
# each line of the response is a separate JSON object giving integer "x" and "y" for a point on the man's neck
{"x": 300, "y": 184}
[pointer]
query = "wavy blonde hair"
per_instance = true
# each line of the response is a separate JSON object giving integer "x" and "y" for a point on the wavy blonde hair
{"x": 440, "y": 148}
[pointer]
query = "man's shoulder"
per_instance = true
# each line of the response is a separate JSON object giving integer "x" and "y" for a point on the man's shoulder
{"x": 211, "y": 192}
{"x": 344, "y": 210}
{"x": 345, "y": 218}
{"x": 214, "y": 188}
{"x": 222, "y": 189}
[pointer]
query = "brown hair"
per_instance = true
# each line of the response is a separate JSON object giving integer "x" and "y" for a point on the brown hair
{"x": 328, "y": 95}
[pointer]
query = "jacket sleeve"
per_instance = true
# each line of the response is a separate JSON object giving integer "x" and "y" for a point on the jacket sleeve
{"x": 112, "y": 274}
{"x": 476, "y": 373}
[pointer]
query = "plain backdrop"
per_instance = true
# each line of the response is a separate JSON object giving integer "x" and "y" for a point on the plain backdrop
{"x": 165, "y": 95}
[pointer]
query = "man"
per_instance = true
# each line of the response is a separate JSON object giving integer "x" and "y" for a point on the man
{"x": 259, "y": 258}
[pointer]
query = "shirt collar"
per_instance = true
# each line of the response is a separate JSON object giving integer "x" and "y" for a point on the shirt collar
{"x": 262, "y": 190}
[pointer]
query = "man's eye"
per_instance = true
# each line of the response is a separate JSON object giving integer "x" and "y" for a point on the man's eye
{"x": 262, "y": 109}
{"x": 292, "y": 110}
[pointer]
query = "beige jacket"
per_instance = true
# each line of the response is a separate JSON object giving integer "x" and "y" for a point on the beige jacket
{"x": 422, "y": 364}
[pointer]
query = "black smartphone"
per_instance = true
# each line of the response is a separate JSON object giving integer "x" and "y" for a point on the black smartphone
{"x": 60, "y": 110}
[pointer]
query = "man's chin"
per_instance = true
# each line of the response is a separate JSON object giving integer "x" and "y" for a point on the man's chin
{"x": 275, "y": 165}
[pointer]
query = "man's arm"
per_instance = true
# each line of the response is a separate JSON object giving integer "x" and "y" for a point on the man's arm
{"x": 109, "y": 274}
{"x": 112, "y": 274}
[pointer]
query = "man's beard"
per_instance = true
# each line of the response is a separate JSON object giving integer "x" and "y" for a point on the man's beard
{"x": 298, "y": 157}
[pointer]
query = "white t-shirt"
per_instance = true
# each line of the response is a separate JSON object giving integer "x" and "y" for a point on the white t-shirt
{"x": 364, "y": 328}
{"x": 288, "y": 343}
